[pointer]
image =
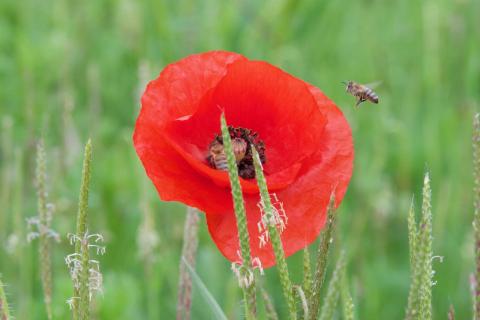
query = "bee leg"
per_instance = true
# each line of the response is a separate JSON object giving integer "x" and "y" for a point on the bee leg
{"x": 359, "y": 100}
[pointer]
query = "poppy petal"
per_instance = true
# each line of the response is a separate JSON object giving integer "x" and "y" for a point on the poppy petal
{"x": 308, "y": 144}
{"x": 260, "y": 97}
{"x": 176, "y": 93}
{"x": 306, "y": 200}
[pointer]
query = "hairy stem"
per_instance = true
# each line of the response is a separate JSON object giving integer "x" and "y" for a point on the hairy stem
{"x": 44, "y": 215}
{"x": 274, "y": 235}
{"x": 82, "y": 230}
{"x": 241, "y": 217}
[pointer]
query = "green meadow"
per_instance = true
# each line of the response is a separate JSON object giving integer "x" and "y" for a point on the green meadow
{"x": 74, "y": 70}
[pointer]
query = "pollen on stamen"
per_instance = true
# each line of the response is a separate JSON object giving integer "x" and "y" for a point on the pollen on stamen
{"x": 277, "y": 218}
{"x": 245, "y": 276}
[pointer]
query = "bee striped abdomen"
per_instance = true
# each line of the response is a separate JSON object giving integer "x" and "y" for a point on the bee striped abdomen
{"x": 371, "y": 95}
{"x": 220, "y": 161}
{"x": 218, "y": 156}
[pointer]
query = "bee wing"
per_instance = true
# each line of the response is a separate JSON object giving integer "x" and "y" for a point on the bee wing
{"x": 373, "y": 85}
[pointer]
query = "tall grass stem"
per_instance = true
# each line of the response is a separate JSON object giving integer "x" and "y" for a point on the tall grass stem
{"x": 476, "y": 216}
{"x": 274, "y": 235}
{"x": 333, "y": 292}
{"x": 241, "y": 217}
{"x": 189, "y": 250}
{"x": 44, "y": 216}
{"x": 321, "y": 261}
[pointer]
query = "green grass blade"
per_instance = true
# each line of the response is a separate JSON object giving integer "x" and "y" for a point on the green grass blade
{"x": 347, "y": 301}
{"x": 303, "y": 299}
{"x": 209, "y": 299}
{"x": 271, "y": 314}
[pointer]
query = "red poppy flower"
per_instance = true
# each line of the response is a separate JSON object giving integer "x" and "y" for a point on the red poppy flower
{"x": 305, "y": 142}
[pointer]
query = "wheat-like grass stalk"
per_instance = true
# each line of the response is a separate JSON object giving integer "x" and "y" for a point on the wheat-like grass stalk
{"x": 420, "y": 295}
{"x": 274, "y": 235}
{"x": 84, "y": 271}
{"x": 83, "y": 284}
{"x": 4, "y": 309}
{"x": 307, "y": 274}
{"x": 241, "y": 218}
{"x": 414, "y": 280}
{"x": 81, "y": 306}
{"x": 333, "y": 292}
{"x": 412, "y": 235}
{"x": 476, "y": 216}
{"x": 425, "y": 251}
{"x": 44, "y": 222}
{"x": 189, "y": 250}
{"x": 321, "y": 262}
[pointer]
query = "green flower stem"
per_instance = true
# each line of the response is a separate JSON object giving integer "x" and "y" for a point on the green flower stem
{"x": 241, "y": 217}
{"x": 322, "y": 255}
{"x": 81, "y": 234}
{"x": 274, "y": 236}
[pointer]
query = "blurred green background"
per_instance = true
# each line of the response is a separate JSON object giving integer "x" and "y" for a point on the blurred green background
{"x": 70, "y": 70}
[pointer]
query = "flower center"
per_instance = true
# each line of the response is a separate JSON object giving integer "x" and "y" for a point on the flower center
{"x": 242, "y": 141}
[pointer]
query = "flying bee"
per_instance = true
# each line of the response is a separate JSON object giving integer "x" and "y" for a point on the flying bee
{"x": 218, "y": 156}
{"x": 361, "y": 92}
